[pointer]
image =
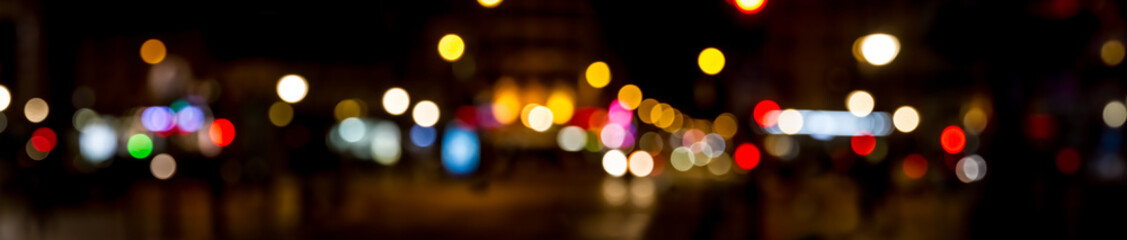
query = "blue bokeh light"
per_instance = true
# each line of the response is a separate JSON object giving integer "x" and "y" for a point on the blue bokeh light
{"x": 423, "y": 136}
{"x": 461, "y": 150}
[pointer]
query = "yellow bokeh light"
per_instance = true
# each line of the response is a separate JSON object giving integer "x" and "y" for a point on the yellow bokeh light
{"x": 280, "y": 114}
{"x": 36, "y": 110}
{"x": 860, "y": 103}
{"x": 396, "y": 101}
{"x": 645, "y": 110}
{"x": 975, "y": 120}
{"x": 350, "y": 108}
{"x": 725, "y": 125}
{"x": 906, "y": 119}
{"x": 561, "y": 105}
{"x": 292, "y": 88}
{"x": 1112, "y": 52}
{"x": 153, "y": 51}
{"x": 598, "y": 74}
{"x": 540, "y": 118}
{"x": 877, "y": 49}
{"x": 664, "y": 115}
{"x": 711, "y": 61}
{"x": 506, "y": 101}
{"x": 451, "y": 47}
{"x": 524, "y": 112}
{"x": 678, "y": 121}
{"x": 425, "y": 113}
{"x": 629, "y": 96}
{"x": 489, "y": 3}
{"x": 790, "y": 121}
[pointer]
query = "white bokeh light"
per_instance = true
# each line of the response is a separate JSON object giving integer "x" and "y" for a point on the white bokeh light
{"x": 790, "y": 121}
{"x": 292, "y": 88}
{"x": 906, "y": 119}
{"x": 879, "y": 48}
{"x": 859, "y": 103}
{"x": 425, "y": 114}
{"x": 614, "y": 162}
{"x": 396, "y": 101}
{"x": 572, "y": 138}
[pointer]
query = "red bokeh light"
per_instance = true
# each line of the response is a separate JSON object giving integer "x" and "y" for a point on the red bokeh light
{"x": 747, "y": 156}
{"x": 222, "y": 132}
{"x": 1068, "y": 161}
{"x": 953, "y": 139}
{"x": 467, "y": 117}
{"x": 44, "y": 139}
{"x": 764, "y": 112}
{"x": 749, "y": 6}
{"x": 863, "y": 144}
{"x": 915, "y": 166}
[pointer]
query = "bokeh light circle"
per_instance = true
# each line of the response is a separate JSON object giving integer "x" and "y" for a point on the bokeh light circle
{"x": 790, "y": 121}
{"x": 36, "y": 110}
{"x": 221, "y": 132}
{"x": 641, "y": 163}
{"x": 352, "y": 130}
{"x": 425, "y": 113}
{"x": 750, "y": 6}
{"x": 153, "y": 51}
{"x": 878, "y": 49}
{"x": 97, "y": 142}
{"x": 614, "y": 163}
{"x": 970, "y": 169}
{"x": 681, "y": 159}
{"x": 461, "y": 150}
{"x": 423, "y": 136}
{"x": 1114, "y": 114}
{"x": 158, "y": 119}
{"x": 613, "y": 135}
{"x": 189, "y": 119}
{"x": 540, "y": 118}
{"x": 5, "y": 98}
{"x": 386, "y": 147}
{"x": 163, "y": 166}
{"x": 598, "y": 74}
{"x": 489, "y": 3}
{"x": 280, "y": 114}
{"x": 952, "y": 139}
{"x": 860, "y": 103}
{"x": 292, "y": 88}
{"x": 139, "y": 146}
{"x": 395, "y": 101}
{"x": 1112, "y": 52}
{"x": 630, "y": 96}
{"x": 44, "y": 139}
{"x": 766, "y": 113}
{"x": 451, "y": 47}
{"x": 711, "y": 61}
{"x": 863, "y": 144}
{"x": 905, "y": 119}
{"x": 572, "y": 138}
{"x": 914, "y": 166}
{"x": 747, "y": 156}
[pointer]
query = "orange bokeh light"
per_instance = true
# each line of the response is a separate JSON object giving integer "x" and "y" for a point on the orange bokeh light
{"x": 915, "y": 166}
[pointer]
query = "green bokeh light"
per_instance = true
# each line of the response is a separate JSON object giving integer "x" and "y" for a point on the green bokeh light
{"x": 139, "y": 146}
